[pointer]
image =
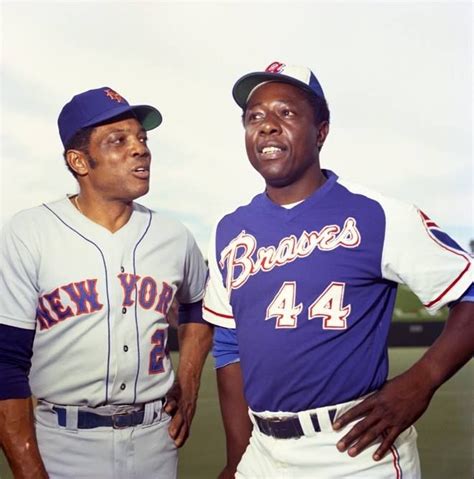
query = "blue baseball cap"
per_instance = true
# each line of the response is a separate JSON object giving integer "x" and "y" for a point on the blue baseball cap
{"x": 299, "y": 76}
{"x": 97, "y": 106}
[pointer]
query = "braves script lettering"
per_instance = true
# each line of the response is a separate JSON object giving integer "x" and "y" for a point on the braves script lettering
{"x": 241, "y": 262}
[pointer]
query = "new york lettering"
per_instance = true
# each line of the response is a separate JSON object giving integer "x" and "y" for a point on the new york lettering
{"x": 79, "y": 298}
{"x": 147, "y": 292}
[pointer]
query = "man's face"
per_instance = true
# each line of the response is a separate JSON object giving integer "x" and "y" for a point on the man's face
{"x": 281, "y": 136}
{"x": 119, "y": 161}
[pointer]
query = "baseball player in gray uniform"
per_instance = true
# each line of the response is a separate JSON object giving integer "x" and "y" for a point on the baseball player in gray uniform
{"x": 87, "y": 283}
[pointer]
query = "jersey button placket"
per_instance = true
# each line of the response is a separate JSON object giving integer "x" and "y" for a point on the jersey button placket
{"x": 124, "y": 310}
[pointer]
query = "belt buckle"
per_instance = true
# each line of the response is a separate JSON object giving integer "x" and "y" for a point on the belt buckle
{"x": 264, "y": 426}
{"x": 280, "y": 427}
{"x": 116, "y": 420}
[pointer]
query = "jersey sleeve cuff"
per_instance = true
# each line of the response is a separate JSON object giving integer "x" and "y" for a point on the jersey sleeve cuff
{"x": 222, "y": 362}
{"x": 217, "y": 318}
{"x": 18, "y": 323}
{"x": 453, "y": 292}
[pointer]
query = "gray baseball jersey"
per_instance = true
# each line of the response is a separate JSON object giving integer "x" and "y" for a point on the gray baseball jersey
{"x": 98, "y": 300}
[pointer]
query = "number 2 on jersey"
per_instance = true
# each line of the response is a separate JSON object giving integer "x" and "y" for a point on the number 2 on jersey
{"x": 157, "y": 352}
{"x": 329, "y": 305}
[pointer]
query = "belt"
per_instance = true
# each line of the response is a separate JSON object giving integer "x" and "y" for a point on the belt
{"x": 90, "y": 420}
{"x": 288, "y": 427}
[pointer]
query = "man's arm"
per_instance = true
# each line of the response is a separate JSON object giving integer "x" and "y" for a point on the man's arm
{"x": 194, "y": 344}
{"x": 18, "y": 439}
{"x": 234, "y": 410}
{"x": 403, "y": 399}
{"x": 17, "y": 432}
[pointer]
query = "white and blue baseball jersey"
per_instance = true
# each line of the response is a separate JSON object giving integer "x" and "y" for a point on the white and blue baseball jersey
{"x": 98, "y": 300}
{"x": 310, "y": 290}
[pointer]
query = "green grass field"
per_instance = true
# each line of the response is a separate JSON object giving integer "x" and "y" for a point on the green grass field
{"x": 445, "y": 431}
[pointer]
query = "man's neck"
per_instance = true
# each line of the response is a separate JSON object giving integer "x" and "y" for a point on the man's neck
{"x": 112, "y": 215}
{"x": 297, "y": 191}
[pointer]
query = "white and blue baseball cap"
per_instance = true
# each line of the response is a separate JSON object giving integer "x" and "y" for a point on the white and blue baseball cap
{"x": 299, "y": 76}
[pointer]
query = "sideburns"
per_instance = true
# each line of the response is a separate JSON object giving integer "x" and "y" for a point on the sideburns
{"x": 90, "y": 160}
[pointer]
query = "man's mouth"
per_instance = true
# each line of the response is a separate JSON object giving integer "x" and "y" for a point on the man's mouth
{"x": 142, "y": 172}
{"x": 269, "y": 150}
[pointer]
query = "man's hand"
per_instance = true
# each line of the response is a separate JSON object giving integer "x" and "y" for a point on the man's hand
{"x": 194, "y": 344}
{"x": 402, "y": 400}
{"x": 385, "y": 414}
{"x": 182, "y": 410}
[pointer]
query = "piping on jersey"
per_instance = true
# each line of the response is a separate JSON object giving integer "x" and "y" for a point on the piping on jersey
{"x": 136, "y": 306}
{"x": 227, "y": 316}
{"x": 429, "y": 224}
{"x": 106, "y": 289}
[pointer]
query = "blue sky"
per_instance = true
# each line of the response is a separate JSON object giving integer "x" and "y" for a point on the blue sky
{"x": 397, "y": 76}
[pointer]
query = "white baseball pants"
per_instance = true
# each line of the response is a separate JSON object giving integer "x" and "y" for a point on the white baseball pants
{"x": 315, "y": 456}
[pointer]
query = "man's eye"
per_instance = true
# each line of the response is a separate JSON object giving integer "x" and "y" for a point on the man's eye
{"x": 287, "y": 112}
{"x": 117, "y": 140}
{"x": 144, "y": 139}
{"x": 252, "y": 116}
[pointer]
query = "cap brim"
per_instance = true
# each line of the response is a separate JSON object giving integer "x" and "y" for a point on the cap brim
{"x": 148, "y": 116}
{"x": 247, "y": 83}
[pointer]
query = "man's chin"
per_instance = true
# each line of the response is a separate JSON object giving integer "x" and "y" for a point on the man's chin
{"x": 276, "y": 181}
{"x": 139, "y": 193}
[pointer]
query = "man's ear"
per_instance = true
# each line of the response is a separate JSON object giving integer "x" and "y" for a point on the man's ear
{"x": 77, "y": 161}
{"x": 323, "y": 131}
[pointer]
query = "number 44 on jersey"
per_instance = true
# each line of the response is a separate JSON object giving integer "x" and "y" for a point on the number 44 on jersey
{"x": 329, "y": 306}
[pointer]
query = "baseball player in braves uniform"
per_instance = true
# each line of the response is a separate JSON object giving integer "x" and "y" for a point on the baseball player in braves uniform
{"x": 302, "y": 288}
{"x": 87, "y": 282}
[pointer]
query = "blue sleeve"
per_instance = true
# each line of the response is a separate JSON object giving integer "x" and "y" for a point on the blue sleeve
{"x": 191, "y": 313}
{"x": 16, "y": 349}
{"x": 225, "y": 349}
{"x": 467, "y": 296}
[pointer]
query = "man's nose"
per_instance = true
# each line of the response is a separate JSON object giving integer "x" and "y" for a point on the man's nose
{"x": 270, "y": 125}
{"x": 139, "y": 147}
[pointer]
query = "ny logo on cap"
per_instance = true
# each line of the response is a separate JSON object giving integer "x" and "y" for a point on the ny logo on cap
{"x": 113, "y": 95}
{"x": 275, "y": 67}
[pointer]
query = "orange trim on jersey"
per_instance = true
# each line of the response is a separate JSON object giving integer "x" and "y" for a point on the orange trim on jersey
{"x": 218, "y": 314}
{"x": 427, "y": 305}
